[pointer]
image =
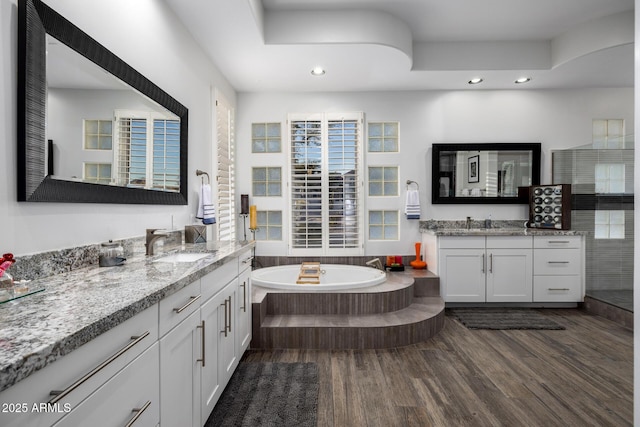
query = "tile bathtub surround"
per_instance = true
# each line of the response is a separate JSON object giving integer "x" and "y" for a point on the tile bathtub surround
{"x": 79, "y": 305}
{"x": 46, "y": 264}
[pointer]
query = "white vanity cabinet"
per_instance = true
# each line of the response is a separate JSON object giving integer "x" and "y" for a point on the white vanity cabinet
{"x": 509, "y": 263}
{"x": 219, "y": 339}
{"x": 485, "y": 269}
{"x": 181, "y": 357}
{"x": 166, "y": 366}
{"x": 83, "y": 373}
{"x": 508, "y": 268}
{"x": 558, "y": 269}
{"x": 462, "y": 268}
{"x": 243, "y": 306}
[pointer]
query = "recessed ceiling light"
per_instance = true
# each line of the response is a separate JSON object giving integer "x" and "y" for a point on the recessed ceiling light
{"x": 523, "y": 80}
{"x": 475, "y": 80}
{"x": 318, "y": 71}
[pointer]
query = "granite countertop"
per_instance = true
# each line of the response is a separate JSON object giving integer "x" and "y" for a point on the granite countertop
{"x": 501, "y": 232}
{"x": 78, "y": 306}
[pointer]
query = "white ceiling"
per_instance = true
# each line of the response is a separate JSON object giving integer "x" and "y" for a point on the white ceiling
{"x": 378, "y": 45}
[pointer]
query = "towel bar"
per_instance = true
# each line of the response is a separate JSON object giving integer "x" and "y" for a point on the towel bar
{"x": 409, "y": 182}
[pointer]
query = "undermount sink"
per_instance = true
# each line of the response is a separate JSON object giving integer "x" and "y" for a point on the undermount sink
{"x": 181, "y": 257}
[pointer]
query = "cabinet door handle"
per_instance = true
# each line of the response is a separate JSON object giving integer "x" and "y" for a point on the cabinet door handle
{"x": 558, "y": 262}
{"x": 203, "y": 337}
{"x": 59, "y": 395}
{"x": 558, "y": 289}
{"x": 244, "y": 296}
{"x": 560, "y": 242}
{"x": 224, "y": 331}
{"x": 191, "y": 301}
{"x": 490, "y": 263}
{"x": 482, "y": 266}
{"x": 138, "y": 413}
{"x": 248, "y": 260}
{"x": 230, "y": 312}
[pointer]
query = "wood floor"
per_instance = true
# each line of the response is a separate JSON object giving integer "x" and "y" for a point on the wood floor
{"x": 581, "y": 376}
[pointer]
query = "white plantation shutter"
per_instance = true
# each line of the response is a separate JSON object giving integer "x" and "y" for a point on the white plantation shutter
{"x": 166, "y": 155}
{"x": 131, "y": 152}
{"x": 225, "y": 129}
{"x": 326, "y": 184}
{"x": 147, "y": 150}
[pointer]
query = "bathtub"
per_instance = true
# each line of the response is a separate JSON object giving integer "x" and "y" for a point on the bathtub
{"x": 334, "y": 277}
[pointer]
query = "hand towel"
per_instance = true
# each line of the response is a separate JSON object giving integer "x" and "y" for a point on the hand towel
{"x": 412, "y": 206}
{"x": 206, "y": 210}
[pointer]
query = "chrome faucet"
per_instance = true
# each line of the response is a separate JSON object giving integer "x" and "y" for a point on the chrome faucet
{"x": 153, "y": 235}
{"x": 375, "y": 263}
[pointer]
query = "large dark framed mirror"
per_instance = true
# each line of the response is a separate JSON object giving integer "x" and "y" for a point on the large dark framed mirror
{"x": 91, "y": 129}
{"x": 483, "y": 172}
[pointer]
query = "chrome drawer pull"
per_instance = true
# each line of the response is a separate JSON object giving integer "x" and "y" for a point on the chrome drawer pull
{"x": 191, "y": 301}
{"x": 558, "y": 262}
{"x": 138, "y": 412}
{"x": 558, "y": 241}
{"x": 224, "y": 331}
{"x": 558, "y": 289}
{"x": 203, "y": 336}
{"x": 59, "y": 395}
{"x": 248, "y": 260}
{"x": 244, "y": 296}
{"x": 230, "y": 312}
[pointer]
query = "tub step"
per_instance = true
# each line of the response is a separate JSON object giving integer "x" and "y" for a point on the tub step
{"x": 418, "y": 322}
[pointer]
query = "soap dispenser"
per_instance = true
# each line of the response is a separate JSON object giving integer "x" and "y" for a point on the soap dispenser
{"x": 111, "y": 254}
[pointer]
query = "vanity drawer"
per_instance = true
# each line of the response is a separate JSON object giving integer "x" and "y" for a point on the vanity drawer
{"x": 557, "y": 262}
{"x": 509, "y": 242}
{"x": 132, "y": 393}
{"x": 556, "y": 242}
{"x": 213, "y": 282}
{"x": 557, "y": 289}
{"x": 462, "y": 242}
{"x": 244, "y": 261}
{"x": 178, "y": 306}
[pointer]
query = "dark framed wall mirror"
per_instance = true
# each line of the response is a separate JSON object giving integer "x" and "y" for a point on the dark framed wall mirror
{"x": 483, "y": 172}
{"x": 91, "y": 129}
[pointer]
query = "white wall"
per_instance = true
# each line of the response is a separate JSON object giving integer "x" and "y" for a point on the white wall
{"x": 145, "y": 34}
{"x": 558, "y": 119}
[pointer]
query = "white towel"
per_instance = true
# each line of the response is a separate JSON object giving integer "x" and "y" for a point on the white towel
{"x": 206, "y": 210}
{"x": 412, "y": 206}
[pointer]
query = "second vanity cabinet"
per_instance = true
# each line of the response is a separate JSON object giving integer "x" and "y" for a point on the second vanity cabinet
{"x": 486, "y": 269}
{"x": 508, "y": 268}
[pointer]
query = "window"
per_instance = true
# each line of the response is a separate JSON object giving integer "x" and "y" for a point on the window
{"x": 269, "y": 225}
{"x": 383, "y": 137}
{"x": 266, "y": 138}
{"x": 225, "y": 137}
{"x": 99, "y": 173}
{"x": 326, "y": 200}
{"x": 383, "y": 181}
{"x": 383, "y": 225}
{"x": 609, "y": 178}
{"x": 267, "y": 182}
{"x": 98, "y": 134}
{"x": 147, "y": 152}
{"x": 608, "y": 133}
{"x": 609, "y": 225}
